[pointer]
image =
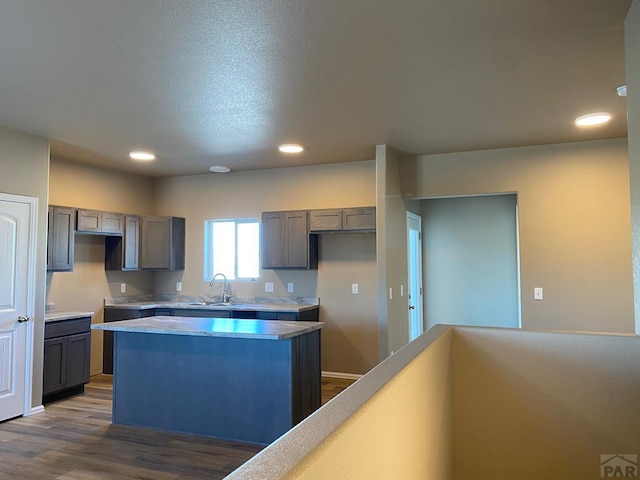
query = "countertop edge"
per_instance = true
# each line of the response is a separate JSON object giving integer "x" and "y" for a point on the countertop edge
{"x": 54, "y": 316}
{"x": 142, "y": 325}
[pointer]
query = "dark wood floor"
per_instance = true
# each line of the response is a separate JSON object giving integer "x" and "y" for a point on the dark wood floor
{"x": 75, "y": 440}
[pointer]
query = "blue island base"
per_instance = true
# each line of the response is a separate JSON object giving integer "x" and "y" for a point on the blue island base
{"x": 248, "y": 390}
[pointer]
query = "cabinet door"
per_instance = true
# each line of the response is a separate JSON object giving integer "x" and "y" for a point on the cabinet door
{"x": 55, "y": 366}
{"x": 155, "y": 242}
{"x": 61, "y": 239}
{"x": 78, "y": 358}
{"x": 359, "y": 218}
{"x": 296, "y": 241}
{"x": 325, "y": 220}
{"x": 112, "y": 223}
{"x": 131, "y": 243}
{"x": 272, "y": 239}
{"x": 89, "y": 221}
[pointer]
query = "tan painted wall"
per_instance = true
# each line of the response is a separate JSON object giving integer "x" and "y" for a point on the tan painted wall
{"x": 632, "y": 47}
{"x": 343, "y": 260}
{"x": 393, "y": 308}
{"x": 532, "y": 405}
{"x": 574, "y": 224}
{"x": 84, "y": 289}
{"x": 24, "y": 167}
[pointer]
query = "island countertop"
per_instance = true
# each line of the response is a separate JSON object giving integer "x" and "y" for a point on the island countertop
{"x": 213, "y": 327}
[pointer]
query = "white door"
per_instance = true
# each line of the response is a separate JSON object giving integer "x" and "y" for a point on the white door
{"x": 17, "y": 243}
{"x": 414, "y": 249}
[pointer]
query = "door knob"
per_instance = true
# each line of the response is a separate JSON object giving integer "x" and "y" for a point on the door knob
{"x": 23, "y": 318}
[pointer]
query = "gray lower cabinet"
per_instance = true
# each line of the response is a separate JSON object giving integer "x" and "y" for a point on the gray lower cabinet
{"x": 60, "y": 239}
{"x": 286, "y": 242}
{"x": 123, "y": 253}
{"x": 67, "y": 356}
{"x": 162, "y": 243}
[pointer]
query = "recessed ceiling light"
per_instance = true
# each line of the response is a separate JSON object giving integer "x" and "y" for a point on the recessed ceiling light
{"x": 290, "y": 148}
{"x": 592, "y": 119}
{"x": 219, "y": 169}
{"x": 622, "y": 91}
{"x": 143, "y": 156}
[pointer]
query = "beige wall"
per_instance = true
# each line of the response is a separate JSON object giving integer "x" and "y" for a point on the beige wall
{"x": 394, "y": 423}
{"x": 24, "y": 163}
{"x": 574, "y": 224}
{"x": 350, "y": 336}
{"x": 393, "y": 308}
{"x": 532, "y": 405}
{"x": 84, "y": 289}
{"x": 632, "y": 47}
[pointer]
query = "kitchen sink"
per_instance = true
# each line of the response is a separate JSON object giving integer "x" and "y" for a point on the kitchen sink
{"x": 219, "y": 304}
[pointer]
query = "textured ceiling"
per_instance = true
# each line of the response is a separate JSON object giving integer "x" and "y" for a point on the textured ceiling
{"x": 224, "y": 82}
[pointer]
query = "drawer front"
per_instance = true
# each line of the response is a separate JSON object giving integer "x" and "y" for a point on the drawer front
{"x": 67, "y": 327}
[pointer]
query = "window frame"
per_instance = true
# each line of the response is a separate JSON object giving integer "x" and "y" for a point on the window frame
{"x": 208, "y": 247}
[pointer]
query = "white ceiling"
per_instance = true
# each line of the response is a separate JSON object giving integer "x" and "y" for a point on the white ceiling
{"x": 224, "y": 82}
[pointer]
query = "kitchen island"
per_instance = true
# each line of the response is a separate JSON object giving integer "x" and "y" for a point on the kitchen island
{"x": 245, "y": 380}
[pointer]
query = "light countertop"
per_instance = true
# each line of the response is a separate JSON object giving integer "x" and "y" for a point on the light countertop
{"x": 213, "y": 327}
{"x": 247, "y": 307}
{"x": 55, "y": 316}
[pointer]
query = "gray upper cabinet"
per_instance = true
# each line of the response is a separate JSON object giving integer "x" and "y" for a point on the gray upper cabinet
{"x": 325, "y": 220}
{"x": 359, "y": 219}
{"x": 286, "y": 242}
{"x": 162, "y": 243}
{"x": 60, "y": 239}
{"x": 123, "y": 253}
{"x": 100, "y": 223}
{"x": 343, "y": 220}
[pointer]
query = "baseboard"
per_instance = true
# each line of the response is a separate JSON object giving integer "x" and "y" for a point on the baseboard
{"x": 35, "y": 410}
{"x": 348, "y": 376}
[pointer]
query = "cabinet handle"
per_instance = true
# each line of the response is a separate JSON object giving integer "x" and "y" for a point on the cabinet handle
{"x": 412, "y": 307}
{"x": 23, "y": 318}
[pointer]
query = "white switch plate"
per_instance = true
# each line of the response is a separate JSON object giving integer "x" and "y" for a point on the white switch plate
{"x": 390, "y": 293}
{"x": 268, "y": 287}
{"x": 355, "y": 289}
{"x": 178, "y": 286}
{"x": 123, "y": 288}
{"x": 402, "y": 290}
{"x": 537, "y": 293}
{"x": 290, "y": 287}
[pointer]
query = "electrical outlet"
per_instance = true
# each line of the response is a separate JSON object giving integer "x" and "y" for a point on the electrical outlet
{"x": 290, "y": 287}
{"x": 178, "y": 286}
{"x": 537, "y": 293}
{"x": 268, "y": 287}
{"x": 355, "y": 289}
{"x": 123, "y": 288}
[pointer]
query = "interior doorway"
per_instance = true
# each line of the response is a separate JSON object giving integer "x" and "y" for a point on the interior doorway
{"x": 414, "y": 284}
{"x": 471, "y": 261}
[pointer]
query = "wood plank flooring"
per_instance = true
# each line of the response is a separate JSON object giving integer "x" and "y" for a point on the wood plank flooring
{"x": 75, "y": 440}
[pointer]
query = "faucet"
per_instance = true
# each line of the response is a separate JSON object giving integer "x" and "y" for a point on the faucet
{"x": 225, "y": 286}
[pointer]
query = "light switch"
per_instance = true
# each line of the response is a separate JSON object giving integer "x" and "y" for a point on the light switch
{"x": 537, "y": 293}
{"x": 268, "y": 287}
{"x": 290, "y": 287}
{"x": 390, "y": 293}
{"x": 123, "y": 288}
{"x": 355, "y": 289}
{"x": 178, "y": 286}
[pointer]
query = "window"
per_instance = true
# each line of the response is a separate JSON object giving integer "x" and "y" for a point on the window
{"x": 232, "y": 247}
